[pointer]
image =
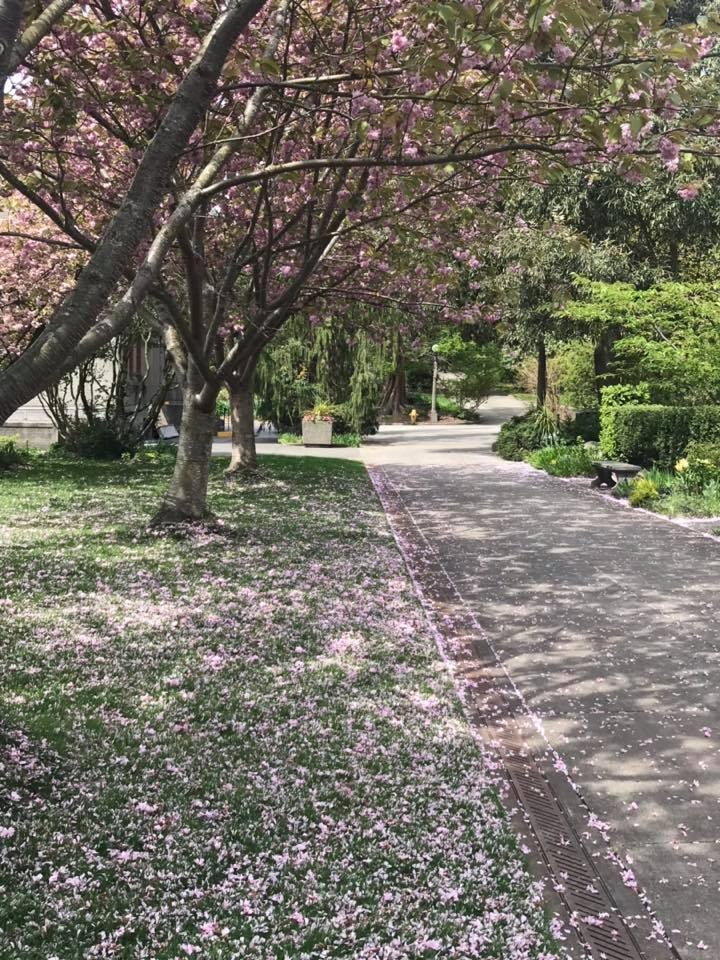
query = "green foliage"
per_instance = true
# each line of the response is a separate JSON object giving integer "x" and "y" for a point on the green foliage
{"x": 329, "y": 363}
{"x": 338, "y": 439}
{"x": 587, "y": 424}
{"x": 670, "y": 336}
{"x": 664, "y": 480}
{"x": 655, "y": 230}
{"x": 707, "y": 451}
{"x": 321, "y": 410}
{"x": 643, "y": 492}
{"x": 530, "y": 431}
{"x": 612, "y": 398}
{"x": 700, "y": 466}
{"x": 446, "y": 406}
{"x": 622, "y": 394}
{"x": 622, "y": 489}
{"x": 563, "y": 461}
{"x": 573, "y": 368}
{"x": 546, "y": 426}
{"x": 684, "y": 503}
{"x": 96, "y": 440}
{"x": 360, "y": 411}
{"x": 222, "y": 404}
{"x": 478, "y": 367}
{"x": 652, "y": 434}
{"x": 517, "y": 437}
{"x": 10, "y": 454}
{"x": 529, "y": 273}
{"x": 161, "y": 452}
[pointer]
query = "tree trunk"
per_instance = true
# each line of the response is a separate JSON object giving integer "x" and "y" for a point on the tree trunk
{"x": 10, "y": 19}
{"x": 395, "y": 398}
{"x": 74, "y": 317}
{"x": 541, "y": 372}
{"x": 243, "y": 457}
{"x": 186, "y": 499}
{"x": 601, "y": 360}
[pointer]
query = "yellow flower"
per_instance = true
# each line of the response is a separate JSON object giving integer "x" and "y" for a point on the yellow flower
{"x": 682, "y": 465}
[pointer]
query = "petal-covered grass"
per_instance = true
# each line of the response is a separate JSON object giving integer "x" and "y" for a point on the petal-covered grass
{"x": 236, "y": 743}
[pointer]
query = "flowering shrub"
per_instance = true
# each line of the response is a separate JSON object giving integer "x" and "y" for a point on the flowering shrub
{"x": 238, "y": 742}
{"x": 695, "y": 471}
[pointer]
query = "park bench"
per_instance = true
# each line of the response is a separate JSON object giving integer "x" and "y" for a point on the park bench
{"x": 609, "y": 472}
{"x": 168, "y": 433}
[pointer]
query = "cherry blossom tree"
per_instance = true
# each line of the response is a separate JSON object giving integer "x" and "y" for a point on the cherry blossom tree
{"x": 16, "y": 45}
{"x": 150, "y": 169}
{"x": 337, "y": 139}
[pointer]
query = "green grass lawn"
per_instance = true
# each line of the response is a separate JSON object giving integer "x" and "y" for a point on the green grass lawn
{"x": 238, "y": 743}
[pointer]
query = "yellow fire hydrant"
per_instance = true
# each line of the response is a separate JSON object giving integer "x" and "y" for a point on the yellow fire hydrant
{"x": 413, "y": 416}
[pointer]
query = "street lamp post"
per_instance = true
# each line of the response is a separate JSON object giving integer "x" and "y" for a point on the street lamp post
{"x": 433, "y": 399}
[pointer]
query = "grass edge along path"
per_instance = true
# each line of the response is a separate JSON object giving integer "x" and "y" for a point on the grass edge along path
{"x": 238, "y": 742}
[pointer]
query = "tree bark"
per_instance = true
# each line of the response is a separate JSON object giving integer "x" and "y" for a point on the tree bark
{"x": 10, "y": 19}
{"x": 541, "y": 372}
{"x": 602, "y": 356}
{"x": 395, "y": 398}
{"x": 541, "y": 392}
{"x": 186, "y": 498}
{"x": 75, "y": 316}
{"x": 40, "y": 27}
{"x": 243, "y": 457}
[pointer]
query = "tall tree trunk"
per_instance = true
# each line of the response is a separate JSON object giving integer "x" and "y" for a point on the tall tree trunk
{"x": 243, "y": 457}
{"x": 542, "y": 378}
{"x": 602, "y": 355}
{"x": 10, "y": 19}
{"x": 186, "y": 498}
{"x": 77, "y": 313}
{"x": 395, "y": 397}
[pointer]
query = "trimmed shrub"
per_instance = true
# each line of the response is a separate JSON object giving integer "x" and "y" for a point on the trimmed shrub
{"x": 10, "y": 455}
{"x": 651, "y": 434}
{"x": 612, "y": 399}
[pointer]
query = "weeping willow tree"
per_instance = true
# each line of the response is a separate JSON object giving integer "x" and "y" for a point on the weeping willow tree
{"x": 337, "y": 363}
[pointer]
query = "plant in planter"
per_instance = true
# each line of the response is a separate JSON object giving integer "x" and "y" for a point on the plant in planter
{"x": 317, "y": 425}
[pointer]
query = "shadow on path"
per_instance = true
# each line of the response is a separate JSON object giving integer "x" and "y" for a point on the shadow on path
{"x": 607, "y": 622}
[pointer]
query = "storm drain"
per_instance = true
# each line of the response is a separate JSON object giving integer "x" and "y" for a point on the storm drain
{"x": 597, "y": 914}
{"x": 604, "y": 930}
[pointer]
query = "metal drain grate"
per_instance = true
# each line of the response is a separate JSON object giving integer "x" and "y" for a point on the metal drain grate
{"x": 596, "y": 915}
{"x": 584, "y": 892}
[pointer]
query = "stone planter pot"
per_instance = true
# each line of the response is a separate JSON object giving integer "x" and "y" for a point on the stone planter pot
{"x": 317, "y": 433}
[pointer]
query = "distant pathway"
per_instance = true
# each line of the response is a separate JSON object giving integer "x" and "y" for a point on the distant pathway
{"x": 607, "y": 622}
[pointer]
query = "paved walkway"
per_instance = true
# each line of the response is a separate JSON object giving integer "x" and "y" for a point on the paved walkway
{"x": 608, "y": 623}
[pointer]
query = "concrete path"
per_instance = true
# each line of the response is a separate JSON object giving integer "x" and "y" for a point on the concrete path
{"x": 608, "y": 622}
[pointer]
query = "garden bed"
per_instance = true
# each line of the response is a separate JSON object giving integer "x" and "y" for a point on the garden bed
{"x": 237, "y": 742}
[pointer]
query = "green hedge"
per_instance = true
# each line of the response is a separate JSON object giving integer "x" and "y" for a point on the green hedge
{"x": 649, "y": 434}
